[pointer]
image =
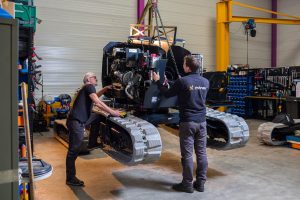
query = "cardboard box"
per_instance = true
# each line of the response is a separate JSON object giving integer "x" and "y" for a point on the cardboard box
{"x": 9, "y": 7}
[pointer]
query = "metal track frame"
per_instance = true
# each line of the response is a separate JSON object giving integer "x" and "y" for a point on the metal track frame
{"x": 145, "y": 137}
{"x": 237, "y": 128}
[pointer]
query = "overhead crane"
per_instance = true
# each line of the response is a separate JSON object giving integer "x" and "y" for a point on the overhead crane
{"x": 225, "y": 17}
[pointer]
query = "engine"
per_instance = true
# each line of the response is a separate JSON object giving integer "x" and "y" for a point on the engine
{"x": 130, "y": 71}
{"x": 128, "y": 68}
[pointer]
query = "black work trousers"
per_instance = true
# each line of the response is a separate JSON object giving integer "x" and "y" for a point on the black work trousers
{"x": 76, "y": 134}
{"x": 94, "y": 121}
{"x": 193, "y": 136}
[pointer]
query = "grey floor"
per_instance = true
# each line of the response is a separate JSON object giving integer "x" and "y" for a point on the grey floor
{"x": 255, "y": 172}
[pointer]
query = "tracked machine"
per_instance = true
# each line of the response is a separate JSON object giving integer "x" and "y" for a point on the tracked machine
{"x": 134, "y": 90}
{"x": 275, "y": 133}
{"x": 128, "y": 67}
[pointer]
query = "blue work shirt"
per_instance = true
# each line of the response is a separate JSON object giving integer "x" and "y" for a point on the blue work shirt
{"x": 191, "y": 91}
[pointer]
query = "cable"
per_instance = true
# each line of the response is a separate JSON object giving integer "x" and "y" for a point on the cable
{"x": 235, "y": 32}
{"x": 170, "y": 49}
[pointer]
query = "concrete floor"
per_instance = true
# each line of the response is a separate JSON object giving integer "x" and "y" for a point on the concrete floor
{"x": 255, "y": 172}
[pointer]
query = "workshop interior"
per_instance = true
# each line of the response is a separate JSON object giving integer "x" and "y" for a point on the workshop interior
{"x": 249, "y": 51}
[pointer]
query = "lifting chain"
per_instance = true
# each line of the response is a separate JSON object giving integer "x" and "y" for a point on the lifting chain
{"x": 156, "y": 12}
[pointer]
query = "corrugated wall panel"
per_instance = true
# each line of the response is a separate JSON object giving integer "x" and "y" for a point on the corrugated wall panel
{"x": 288, "y": 51}
{"x": 72, "y": 35}
{"x": 196, "y": 22}
{"x": 259, "y": 47}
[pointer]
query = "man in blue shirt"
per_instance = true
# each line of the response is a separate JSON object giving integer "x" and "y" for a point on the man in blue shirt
{"x": 77, "y": 119}
{"x": 191, "y": 91}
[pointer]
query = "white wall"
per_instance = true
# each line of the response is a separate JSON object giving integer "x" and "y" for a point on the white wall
{"x": 196, "y": 24}
{"x": 259, "y": 47}
{"x": 196, "y": 21}
{"x": 73, "y": 33}
{"x": 288, "y": 47}
{"x": 72, "y": 36}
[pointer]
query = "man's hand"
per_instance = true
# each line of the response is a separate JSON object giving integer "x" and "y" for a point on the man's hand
{"x": 115, "y": 113}
{"x": 155, "y": 76}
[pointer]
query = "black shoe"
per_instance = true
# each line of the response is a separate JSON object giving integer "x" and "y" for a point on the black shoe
{"x": 198, "y": 186}
{"x": 182, "y": 188}
{"x": 95, "y": 146}
{"x": 75, "y": 182}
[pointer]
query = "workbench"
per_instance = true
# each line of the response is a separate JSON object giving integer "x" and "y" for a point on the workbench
{"x": 263, "y": 107}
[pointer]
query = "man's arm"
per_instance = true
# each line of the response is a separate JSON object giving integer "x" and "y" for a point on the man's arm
{"x": 173, "y": 91}
{"x": 103, "y": 90}
{"x": 103, "y": 106}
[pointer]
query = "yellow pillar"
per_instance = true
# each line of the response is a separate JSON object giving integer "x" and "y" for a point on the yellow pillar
{"x": 222, "y": 36}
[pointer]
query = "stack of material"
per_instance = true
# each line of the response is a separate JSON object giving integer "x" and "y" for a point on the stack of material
{"x": 294, "y": 141}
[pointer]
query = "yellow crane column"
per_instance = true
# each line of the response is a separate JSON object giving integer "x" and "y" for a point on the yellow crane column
{"x": 223, "y": 37}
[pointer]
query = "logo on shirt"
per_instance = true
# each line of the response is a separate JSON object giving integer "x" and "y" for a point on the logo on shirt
{"x": 192, "y": 87}
{"x": 154, "y": 99}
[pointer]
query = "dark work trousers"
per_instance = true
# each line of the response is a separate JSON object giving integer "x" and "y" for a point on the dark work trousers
{"x": 193, "y": 136}
{"x": 76, "y": 131}
{"x": 94, "y": 121}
